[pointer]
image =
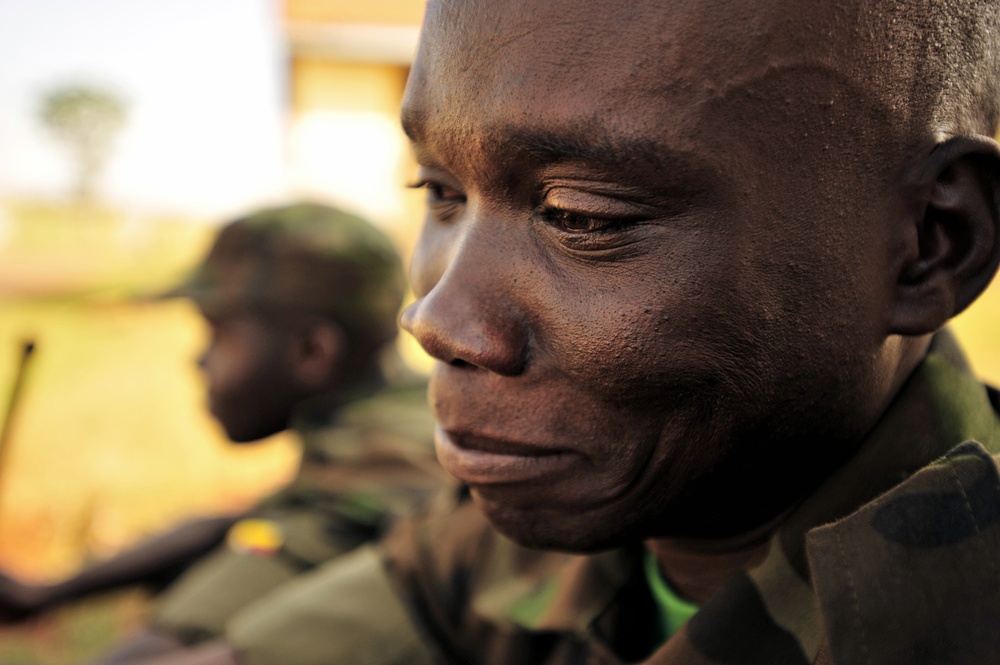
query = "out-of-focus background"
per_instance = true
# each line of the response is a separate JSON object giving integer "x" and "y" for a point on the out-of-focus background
{"x": 128, "y": 132}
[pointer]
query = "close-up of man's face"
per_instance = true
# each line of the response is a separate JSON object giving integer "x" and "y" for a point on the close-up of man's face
{"x": 652, "y": 272}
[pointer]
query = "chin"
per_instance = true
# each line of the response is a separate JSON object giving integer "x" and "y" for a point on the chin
{"x": 246, "y": 423}
{"x": 243, "y": 433}
{"x": 240, "y": 437}
{"x": 548, "y": 529}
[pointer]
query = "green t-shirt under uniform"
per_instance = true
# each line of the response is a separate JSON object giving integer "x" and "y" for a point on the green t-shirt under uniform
{"x": 673, "y": 610}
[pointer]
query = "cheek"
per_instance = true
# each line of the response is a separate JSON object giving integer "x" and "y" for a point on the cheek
{"x": 219, "y": 368}
{"x": 672, "y": 337}
{"x": 230, "y": 370}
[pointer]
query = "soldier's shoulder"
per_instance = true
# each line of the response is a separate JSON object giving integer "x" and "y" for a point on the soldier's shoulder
{"x": 344, "y": 612}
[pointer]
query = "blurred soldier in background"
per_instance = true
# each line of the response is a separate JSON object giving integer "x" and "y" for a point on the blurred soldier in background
{"x": 301, "y": 302}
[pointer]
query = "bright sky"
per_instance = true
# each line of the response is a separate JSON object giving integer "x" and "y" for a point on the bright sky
{"x": 203, "y": 80}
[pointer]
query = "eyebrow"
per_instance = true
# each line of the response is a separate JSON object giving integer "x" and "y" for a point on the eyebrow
{"x": 593, "y": 145}
{"x": 590, "y": 143}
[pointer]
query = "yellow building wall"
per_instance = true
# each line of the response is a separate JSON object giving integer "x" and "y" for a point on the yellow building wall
{"x": 346, "y": 144}
{"x": 318, "y": 84}
{"x": 398, "y": 12}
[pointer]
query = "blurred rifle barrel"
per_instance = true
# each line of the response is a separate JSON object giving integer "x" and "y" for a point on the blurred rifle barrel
{"x": 27, "y": 350}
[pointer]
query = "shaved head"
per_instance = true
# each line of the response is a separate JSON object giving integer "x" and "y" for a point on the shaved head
{"x": 936, "y": 63}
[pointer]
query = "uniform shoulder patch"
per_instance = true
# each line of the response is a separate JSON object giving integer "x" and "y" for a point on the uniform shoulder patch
{"x": 255, "y": 536}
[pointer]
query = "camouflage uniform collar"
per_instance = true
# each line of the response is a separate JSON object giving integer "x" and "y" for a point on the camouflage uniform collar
{"x": 914, "y": 577}
{"x": 558, "y": 593}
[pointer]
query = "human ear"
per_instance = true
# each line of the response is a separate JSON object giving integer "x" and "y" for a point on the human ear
{"x": 319, "y": 348}
{"x": 951, "y": 237}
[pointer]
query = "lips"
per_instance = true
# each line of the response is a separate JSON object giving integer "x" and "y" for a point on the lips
{"x": 480, "y": 460}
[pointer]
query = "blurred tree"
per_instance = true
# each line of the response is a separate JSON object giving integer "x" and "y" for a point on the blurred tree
{"x": 85, "y": 119}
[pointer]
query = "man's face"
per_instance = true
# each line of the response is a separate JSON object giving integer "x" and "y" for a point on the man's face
{"x": 653, "y": 267}
{"x": 248, "y": 369}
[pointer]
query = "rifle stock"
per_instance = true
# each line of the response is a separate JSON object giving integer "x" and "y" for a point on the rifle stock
{"x": 27, "y": 351}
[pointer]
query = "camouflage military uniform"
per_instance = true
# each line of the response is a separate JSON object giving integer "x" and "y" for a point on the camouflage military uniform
{"x": 904, "y": 553}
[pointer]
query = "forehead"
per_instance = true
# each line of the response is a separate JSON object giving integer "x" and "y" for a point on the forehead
{"x": 698, "y": 75}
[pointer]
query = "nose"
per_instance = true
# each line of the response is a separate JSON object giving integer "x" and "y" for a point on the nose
{"x": 467, "y": 317}
{"x": 201, "y": 360}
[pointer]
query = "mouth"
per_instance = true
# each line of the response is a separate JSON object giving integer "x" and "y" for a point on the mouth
{"x": 479, "y": 460}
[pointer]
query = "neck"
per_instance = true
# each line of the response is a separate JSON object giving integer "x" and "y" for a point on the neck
{"x": 697, "y": 569}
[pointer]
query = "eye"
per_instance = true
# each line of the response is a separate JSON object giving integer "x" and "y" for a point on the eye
{"x": 585, "y": 218}
{"x": 443, "y": 202}
{"x": 437, "y": 193}
{"x": 573, "y": 222}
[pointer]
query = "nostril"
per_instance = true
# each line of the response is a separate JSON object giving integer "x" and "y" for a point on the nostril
{"x": 454, "y": 327}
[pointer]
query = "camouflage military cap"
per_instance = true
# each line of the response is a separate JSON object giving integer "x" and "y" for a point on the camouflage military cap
{"x": 303, "y": 258}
